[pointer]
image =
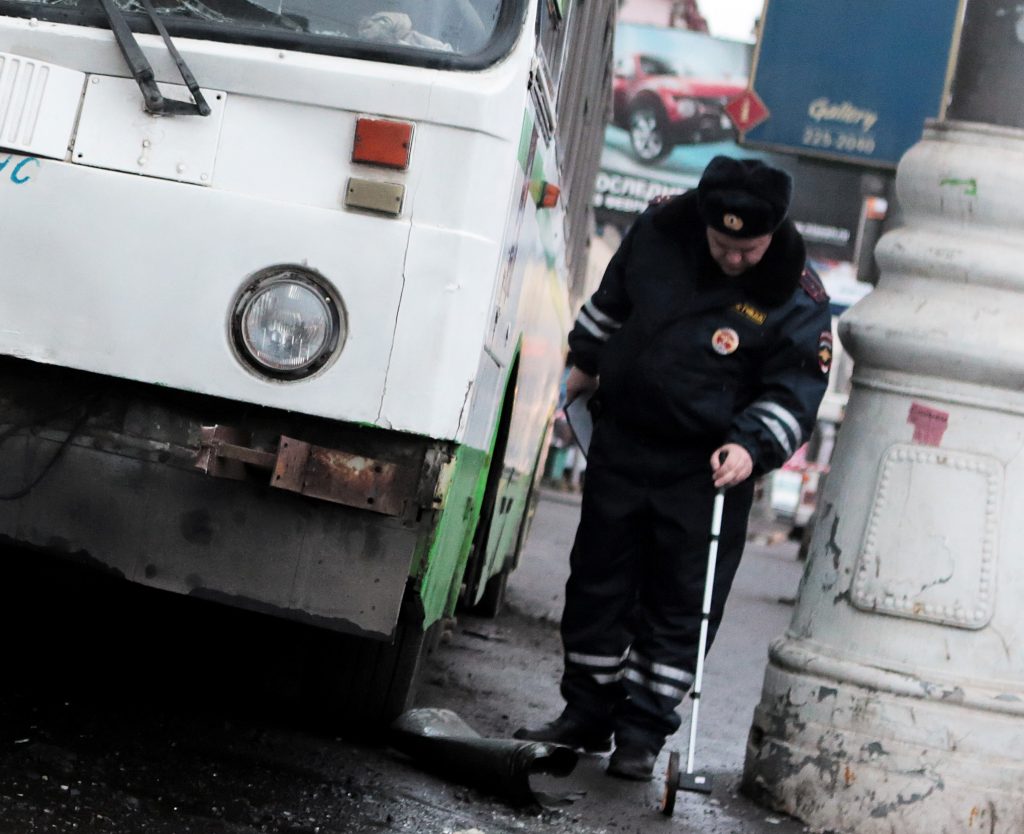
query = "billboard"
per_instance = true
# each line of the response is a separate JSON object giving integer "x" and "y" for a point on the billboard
{"x": 668, "y": 113}
{"x": 670, "y": 94}
{"x": 851, "y": 79}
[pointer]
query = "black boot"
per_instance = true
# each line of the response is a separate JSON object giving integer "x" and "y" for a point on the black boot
{"x": 572, "y": 731}
{"x": 631, "y": 762}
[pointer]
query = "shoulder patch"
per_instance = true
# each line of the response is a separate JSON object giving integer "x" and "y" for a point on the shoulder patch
{"x": 812, "y": 285}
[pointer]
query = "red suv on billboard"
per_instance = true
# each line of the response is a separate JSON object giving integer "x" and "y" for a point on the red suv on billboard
{"x": 661, "y": 109}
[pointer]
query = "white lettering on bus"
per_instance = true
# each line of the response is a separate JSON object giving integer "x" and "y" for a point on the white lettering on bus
{"x": 19, "y": 170}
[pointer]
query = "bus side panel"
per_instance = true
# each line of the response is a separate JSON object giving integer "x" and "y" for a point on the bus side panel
{"x": 556, "y": 239}
{"x": 442, "y": 560}
{"x": 539, "y": 293}
{"x": 445, "y": 312}
{"x": 536, "y": 391}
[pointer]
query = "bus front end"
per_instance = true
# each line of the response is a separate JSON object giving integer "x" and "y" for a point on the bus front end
{"x": 264, "y": 356}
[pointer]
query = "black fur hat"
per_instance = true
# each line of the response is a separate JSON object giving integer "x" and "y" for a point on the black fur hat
{"x": 743, "y": 197}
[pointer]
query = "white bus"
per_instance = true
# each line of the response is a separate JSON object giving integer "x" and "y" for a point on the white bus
{"x": 283, "y": 299}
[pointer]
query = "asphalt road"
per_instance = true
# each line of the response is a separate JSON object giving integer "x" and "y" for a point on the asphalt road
{"x": 124, "y": 710}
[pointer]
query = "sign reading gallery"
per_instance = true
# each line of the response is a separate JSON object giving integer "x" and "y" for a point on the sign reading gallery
{"x": 852, "y": 80}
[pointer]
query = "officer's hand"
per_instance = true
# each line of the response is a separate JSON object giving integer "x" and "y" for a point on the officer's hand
{"x": 734, "y": 469}
{"x": 578, "y": 383}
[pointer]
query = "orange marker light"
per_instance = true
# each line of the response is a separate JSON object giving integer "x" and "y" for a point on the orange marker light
{"x": 549, "y": 195}
{"x": 382, "y": 142}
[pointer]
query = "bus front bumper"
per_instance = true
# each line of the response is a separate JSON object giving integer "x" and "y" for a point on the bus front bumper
{"x": 104, "y": 472}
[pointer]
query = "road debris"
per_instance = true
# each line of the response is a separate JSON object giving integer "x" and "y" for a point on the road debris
{"x": 444, "y": 744}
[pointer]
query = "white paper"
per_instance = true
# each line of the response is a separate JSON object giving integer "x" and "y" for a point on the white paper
{"x": 581, "y": 422}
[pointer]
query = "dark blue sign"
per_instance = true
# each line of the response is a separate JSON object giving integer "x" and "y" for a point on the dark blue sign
{"x": 851, "y": 79}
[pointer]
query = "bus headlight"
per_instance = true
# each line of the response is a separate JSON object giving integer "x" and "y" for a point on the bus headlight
{"x": 287, "y": 323}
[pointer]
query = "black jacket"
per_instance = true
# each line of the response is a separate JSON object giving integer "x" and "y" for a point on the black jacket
{"x": 650, "y": 333}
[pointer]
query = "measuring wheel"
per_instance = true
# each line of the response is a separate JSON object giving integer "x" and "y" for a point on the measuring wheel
{"x": 668, "y": 800}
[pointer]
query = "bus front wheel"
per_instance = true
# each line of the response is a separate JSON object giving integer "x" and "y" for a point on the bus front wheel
{"x": 360, "y": 685}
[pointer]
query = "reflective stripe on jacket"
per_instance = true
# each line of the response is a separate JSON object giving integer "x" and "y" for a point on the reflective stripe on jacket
{"x": 689, "y": 356}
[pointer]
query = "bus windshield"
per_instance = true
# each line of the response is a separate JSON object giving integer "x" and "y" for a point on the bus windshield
{"x": 429, "y": 32}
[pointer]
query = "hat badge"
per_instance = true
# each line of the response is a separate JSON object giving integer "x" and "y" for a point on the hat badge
{"x": 733, "y": 222}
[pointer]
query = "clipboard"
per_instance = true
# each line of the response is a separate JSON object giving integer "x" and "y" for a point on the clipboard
{"x": 581, "y": 421}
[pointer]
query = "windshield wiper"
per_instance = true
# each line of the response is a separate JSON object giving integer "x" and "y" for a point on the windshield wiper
{"x": 142, "y": 71}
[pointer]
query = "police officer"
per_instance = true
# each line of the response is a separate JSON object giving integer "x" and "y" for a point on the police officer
{"x": 711, "y": 338}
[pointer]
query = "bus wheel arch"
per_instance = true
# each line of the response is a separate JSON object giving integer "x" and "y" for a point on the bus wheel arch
{"x": 493, "y": 599}
{"x": 489, "y": 601}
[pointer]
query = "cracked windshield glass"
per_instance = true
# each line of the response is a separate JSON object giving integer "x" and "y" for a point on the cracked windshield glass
{"x": 456, "y": 26}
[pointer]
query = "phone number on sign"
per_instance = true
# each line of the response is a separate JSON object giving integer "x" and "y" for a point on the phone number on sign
{"x": 817, "y": 137}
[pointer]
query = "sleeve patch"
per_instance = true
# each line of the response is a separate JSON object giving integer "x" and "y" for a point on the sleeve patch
{"x": 825, "y": 351}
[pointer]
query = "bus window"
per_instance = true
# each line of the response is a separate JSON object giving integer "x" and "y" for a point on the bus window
{"x": 551, "y": 34}
{"x": 455, "y": 27}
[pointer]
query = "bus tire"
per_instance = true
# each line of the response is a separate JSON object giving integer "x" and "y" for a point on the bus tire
{"x": 359, "y": 685}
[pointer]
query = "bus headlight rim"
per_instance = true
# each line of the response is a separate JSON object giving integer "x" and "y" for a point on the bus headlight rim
{"x": 274, "y": 305}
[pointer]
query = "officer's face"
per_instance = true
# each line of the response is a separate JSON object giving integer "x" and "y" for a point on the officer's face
{"x": 735, "y": 255}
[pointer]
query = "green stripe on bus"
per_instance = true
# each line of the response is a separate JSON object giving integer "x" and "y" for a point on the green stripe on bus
{"x": 449, "y": 548}
{"x": 525, "y": 137}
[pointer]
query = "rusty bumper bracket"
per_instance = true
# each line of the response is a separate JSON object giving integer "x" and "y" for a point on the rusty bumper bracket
{"x": 327, "y": 474}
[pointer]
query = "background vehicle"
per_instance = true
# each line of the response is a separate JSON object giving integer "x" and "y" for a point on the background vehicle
{"x": 298, "y": 355}
{"x": 661, "y": 108}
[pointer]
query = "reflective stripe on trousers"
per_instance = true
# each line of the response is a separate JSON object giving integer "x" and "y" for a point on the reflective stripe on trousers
{"x": 632, "y": 615}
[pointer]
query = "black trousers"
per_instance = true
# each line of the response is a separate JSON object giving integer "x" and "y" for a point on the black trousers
{"x": 632, "y": 615}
